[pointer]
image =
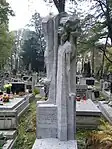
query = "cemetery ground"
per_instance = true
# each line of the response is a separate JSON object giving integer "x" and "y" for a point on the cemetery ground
{"x": 27, "y": 130}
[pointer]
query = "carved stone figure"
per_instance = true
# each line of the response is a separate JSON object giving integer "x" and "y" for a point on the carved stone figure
{"x": 56, "y": 116}
{"x": 66, "y": 77}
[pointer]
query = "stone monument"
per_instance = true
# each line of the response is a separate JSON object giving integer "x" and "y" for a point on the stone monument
{"x": 56, "y": 124}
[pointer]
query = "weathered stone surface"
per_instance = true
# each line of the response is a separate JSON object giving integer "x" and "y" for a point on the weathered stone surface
{"x": 42, "y": 93}
{"x": 106, "y": 93}
{"x": 87, "y": 121}
{"x": 106, "y": 110}
{"x": 9, "y": 144}
{"x": 81, "y": 89}
{"x": 84, "y": 80}
{"x": 48, "y": 28}
{"x": 34, "y": 80}
{"x": 46, "y": 121}
{"x": 56, "y": 117}
{"x": 10, "y": 111}
{"x": 10, "y": 134}
{"x": 8, "y": 120}
{"x": 54, "y": 144}
{"x": 87, "y": 108}
{"x": 87, "y": 114}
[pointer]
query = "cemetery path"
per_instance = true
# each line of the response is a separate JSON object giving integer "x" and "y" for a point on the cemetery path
{"x": 27, "y": 128}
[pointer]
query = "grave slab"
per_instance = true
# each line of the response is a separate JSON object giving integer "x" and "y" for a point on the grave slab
{"x": 106, "y": 110}
{"x": 51, "y": 143}
{"x": 87, "y": 108}
{"x": 9, "y": 144}
{"x": 106, "y": 93}
{"x": 9, "y": 134}
{"x": 11, "y": 111}
{"x": 17, "y": 104}
{"x": 87, "y": 114}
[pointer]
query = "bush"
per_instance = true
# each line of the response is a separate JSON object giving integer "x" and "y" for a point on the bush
{"x": 101, "y": 139}
{"x": 36, "y": 91}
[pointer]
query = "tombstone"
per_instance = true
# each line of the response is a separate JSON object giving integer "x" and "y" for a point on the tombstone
{"x": 34, "y": 81}
{"x": 90, "y": 81}
{"x": 81, "y": 90}
{"x": 110, "y": 80}
{"x": 106, "y": 86}
{"x": 101, "y": 84}
{"x": 87, "y": 69}
{"x": 87, "y": 81}
{"x": 18, "y": 87}
{"x": 56, "y": 124}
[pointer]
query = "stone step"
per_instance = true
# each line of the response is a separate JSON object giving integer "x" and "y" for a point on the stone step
{"x": 52, "y": 143}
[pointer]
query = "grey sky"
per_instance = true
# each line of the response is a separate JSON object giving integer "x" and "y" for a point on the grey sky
{"x": 25, "y": 8}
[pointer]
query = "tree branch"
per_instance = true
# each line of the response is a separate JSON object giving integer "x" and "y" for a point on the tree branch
{"x": 56, "y": 2}
{"x": 100, "y": 3}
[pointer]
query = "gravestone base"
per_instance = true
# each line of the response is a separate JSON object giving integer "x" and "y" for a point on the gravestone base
{"x": 46, "y": 121}
{"x": 11, "y": 111}
{"x": 18, "y": 104}
{"x": 52, "y": 143}
{"x": 106, "y": 110}
{"x": 87, "y": 114}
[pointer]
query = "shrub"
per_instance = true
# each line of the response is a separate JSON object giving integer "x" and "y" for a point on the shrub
{"x": 101, "y": 139}
{"x": 36, "y": 91}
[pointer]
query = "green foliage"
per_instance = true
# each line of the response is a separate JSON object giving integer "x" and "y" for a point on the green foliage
{"x": 5, "y": 12}
{"x": 33, "y": 48}
{"x": 6, "y": 43}
{"x": 36, "y": 91}
{"x": 108, "y": 64}
{"x": 32, "y": 54}
{"x": 101, "y": 139}
{"x": 6, "y": 38}
{"x": 27, "y": 128}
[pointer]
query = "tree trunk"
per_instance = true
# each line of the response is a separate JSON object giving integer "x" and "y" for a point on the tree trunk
{"x": 109, "y": 22}
{"x": 93, "y": 55}
{"x": 82, "y": 65}
{"x": 11, "y": 62}
{"x": 60, "y": 5}
{"x": 102, "y": 67}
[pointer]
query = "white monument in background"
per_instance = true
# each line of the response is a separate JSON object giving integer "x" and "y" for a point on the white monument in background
{"x": 56, "y": 124}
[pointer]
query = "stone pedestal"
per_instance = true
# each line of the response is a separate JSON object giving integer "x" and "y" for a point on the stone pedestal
{"x": 46, "y": 121}
{"x": 11, "y": 111}
{"x": 51, "y": 143}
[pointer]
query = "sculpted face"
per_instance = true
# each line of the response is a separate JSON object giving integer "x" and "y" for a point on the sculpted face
{"x": 68, "y": 26}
